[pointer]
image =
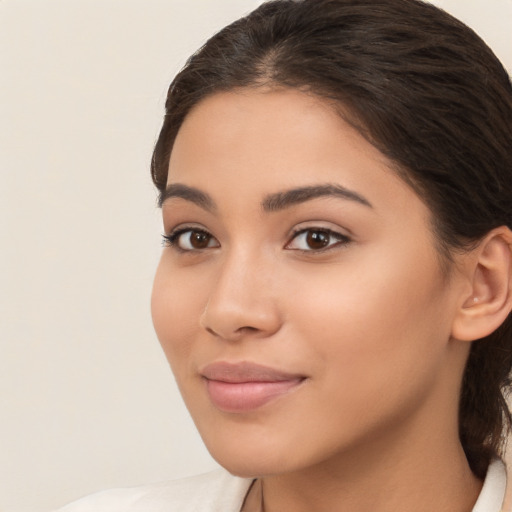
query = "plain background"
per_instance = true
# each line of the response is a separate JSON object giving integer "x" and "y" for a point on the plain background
{"x": 86, "y": 397}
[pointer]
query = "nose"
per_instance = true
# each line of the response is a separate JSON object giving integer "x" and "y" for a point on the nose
{"x": 242, "y": 301}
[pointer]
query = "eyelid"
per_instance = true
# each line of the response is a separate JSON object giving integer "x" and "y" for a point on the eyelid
{"x": 342, "y": 239}
{"x": 336, "y": 235}
{"x": 172, "y": 238}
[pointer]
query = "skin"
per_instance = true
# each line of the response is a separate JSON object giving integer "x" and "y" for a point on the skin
{"x": 368, "y": 321}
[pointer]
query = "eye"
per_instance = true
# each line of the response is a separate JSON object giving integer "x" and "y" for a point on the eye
{"x": 316, "y": 239}
{"x": 190, "y": 239}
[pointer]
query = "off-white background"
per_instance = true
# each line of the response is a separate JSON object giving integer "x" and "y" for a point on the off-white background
{"x": 86, "y": 397}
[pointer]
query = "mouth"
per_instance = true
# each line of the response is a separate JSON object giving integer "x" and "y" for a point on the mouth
{"x": 244, "y": 387}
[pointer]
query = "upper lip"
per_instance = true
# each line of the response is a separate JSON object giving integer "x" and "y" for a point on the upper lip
{"x": 246, "y": 372}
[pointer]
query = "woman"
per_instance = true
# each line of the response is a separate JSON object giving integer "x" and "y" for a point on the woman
{"x": 334, "y": 294}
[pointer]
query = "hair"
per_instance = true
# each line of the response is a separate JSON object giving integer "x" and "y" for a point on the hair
{"x": 427, "y": 92}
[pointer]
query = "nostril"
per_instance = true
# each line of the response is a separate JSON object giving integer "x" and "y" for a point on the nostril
{"x": 211, "y": 331}
{"x": 248, "y": 328}
{"x": 226, "y": 318}
{"x": 235, "y": 335}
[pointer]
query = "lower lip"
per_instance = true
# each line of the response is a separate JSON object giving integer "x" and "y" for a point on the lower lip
{"x": 247, "y": 396}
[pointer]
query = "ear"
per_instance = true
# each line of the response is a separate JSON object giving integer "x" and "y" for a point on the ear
{"x": 489, "y": 302}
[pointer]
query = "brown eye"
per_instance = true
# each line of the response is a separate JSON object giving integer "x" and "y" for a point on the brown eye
{"x": 191, "y": 240}
{"x": 311, "y": 240}
{"x": 199, "y": 239}
{"x": 317, "y": 239}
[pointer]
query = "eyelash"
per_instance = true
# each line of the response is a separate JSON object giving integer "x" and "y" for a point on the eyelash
{"x": 341, "y": 240}
{"x": 172, "y": 240}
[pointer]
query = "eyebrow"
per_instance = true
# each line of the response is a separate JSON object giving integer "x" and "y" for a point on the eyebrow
{"x": 282, "y": 200}
{"x": 192, "y": 194}
{"x": 271, "y": 203}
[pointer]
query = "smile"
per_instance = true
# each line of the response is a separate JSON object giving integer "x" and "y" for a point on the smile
{"x": 244, "y": 387}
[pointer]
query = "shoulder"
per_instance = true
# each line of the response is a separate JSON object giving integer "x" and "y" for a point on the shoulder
{"x": 492, "y": 496}
{"x": 217, "y": 491}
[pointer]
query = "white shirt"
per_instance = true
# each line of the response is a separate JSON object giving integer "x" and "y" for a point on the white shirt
{"x": 219, "y": 491}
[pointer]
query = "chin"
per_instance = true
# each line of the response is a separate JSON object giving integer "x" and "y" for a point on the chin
{"x": 247, "y": 459}
{"x": 263, "y": 456}
{"x": 251, "y": 468}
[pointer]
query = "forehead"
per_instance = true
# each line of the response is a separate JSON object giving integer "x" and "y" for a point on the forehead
{"x": 268, "y": 139}
{"x": 272, "y": 128}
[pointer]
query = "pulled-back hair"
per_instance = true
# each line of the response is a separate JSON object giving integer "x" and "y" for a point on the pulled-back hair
{"x": 428, "y": 93}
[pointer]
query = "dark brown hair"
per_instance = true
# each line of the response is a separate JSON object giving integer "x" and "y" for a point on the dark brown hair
{"x": 428, "y": 93}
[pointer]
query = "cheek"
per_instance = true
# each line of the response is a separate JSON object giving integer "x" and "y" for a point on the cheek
{"x": 176, "y": 305}
{"x": 375, "y": 318}
{"x": 376, "y": 332}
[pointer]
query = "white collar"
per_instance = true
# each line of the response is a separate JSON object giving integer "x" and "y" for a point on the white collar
{"x": 493, "y": 492}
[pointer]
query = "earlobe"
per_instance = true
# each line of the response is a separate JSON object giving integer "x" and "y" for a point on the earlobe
{"x": 490, "y": 300}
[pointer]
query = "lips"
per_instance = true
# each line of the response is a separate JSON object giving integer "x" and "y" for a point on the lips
{"x": 243, "y": 387}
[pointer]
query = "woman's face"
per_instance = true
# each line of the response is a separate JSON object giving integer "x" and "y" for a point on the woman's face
{"x": 299, "y": 298}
